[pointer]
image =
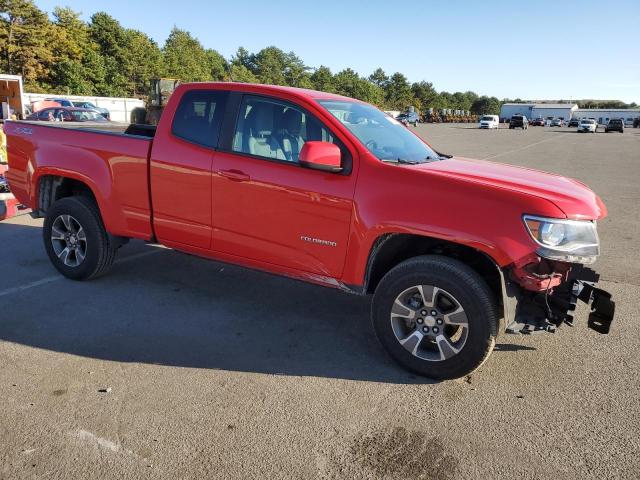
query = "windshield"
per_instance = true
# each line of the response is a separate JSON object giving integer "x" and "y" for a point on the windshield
{"x": 588, "y": 121}
{"x": 487, "y": 119}
{"x": 86, "y": 116}
{"x": 383, "y": 136}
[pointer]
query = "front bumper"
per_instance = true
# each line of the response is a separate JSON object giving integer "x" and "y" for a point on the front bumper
{"x": 546, "y": 310}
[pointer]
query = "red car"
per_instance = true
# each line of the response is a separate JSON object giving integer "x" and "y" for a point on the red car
{"x": 538, "y": 122}
{"x": 332, "y": 191}
{"x": 67, "y": 114}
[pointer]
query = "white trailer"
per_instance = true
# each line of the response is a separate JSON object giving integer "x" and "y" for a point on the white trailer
{"x": 11, "y": 96}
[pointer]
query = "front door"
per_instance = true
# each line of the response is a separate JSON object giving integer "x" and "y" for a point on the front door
{"x": 266, "y": 206}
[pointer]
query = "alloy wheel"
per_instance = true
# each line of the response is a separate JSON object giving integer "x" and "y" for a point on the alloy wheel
{"x": 429, "y": 322}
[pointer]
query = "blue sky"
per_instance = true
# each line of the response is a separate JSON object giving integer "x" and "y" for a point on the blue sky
{"x": 535, "y": 49}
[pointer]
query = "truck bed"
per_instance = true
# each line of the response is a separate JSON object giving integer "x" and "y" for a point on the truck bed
{"x": 112, "y": 161}
{"x": 102, "y": 127}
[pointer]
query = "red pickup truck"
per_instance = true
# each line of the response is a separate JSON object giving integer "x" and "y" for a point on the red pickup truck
{"x": 329, "y": 190}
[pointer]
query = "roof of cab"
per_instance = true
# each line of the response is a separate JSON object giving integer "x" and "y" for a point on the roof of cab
{"x": 260, "y": 88}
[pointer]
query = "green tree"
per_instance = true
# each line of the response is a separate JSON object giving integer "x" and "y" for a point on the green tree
{"x": 322, "y": 79}
{"x": 242, "y": 57}
{"x": 425, "y": 95}
{"x": 217, "y": 64}
{"x": 379, "y": 78}
{"x": 69, "y": 47}
{"x": 142, "y": 61}
{"x": 240, "y": 73}
{"x": 185, "y": 58}
{"x": 296, "y": 73}
{"x": 111, "y": 41}
{"x": 486, "y": 106}
{"x": 349, "y": 83}
{"x": 269, "y": 66}
{"x": 398, "y": 94}
{"x": 25, "y": 41}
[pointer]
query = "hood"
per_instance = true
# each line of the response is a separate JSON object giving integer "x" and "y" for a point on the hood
{"x": 574, "y": 198}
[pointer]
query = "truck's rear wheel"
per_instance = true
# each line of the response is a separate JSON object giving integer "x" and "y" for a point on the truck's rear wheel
{"x": 75, "y": 238}
{"x": 435, "y": 316}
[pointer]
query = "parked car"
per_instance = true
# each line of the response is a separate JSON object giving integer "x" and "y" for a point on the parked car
{"x": 67, "y": 114}
{"x": 557, "y": 122}
{"x": 63, "y": 102}
{"x": 587, "y": 125}
{"x": 615, "y": 125}
{"x": 489, "y": 121}
{"x": 102, "y": 111}
{"x": 42, "y": 104}
{"x": 538, "y": 122}
{"x": 574, "y": 122}
{"x": 409, "y": 118}
{"x": 636, "y": 122}
{"x": 336, "y": 193}
{"x": 519, "y": 121}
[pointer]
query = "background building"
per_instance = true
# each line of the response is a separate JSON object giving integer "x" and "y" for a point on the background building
{"x": 567, "y": 111}
{"x": 603, "y": 115}
{"x": 535, "y": 110}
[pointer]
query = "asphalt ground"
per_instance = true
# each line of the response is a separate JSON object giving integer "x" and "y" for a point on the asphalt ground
{"x": 176, "y": 367}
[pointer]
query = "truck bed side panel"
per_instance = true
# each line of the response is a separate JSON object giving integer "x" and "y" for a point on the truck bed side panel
{"x": 113, "y": 166}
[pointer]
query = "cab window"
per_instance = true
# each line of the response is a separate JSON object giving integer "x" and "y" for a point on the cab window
{"x": 199, "y": 116}
{"x": 276, "y": 130}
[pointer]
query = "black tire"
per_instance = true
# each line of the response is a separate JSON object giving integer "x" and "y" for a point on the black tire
{"x": 99, "y": 253}
{"x": 471, "y": 293}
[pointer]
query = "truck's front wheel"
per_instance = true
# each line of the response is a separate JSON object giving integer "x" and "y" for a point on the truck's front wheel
{"x": 435, "y": 316}
{"x": 75, "y": 238}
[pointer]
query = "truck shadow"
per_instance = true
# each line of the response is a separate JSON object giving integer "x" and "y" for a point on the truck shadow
{"x": 177, "y": 310}
{"x": 162, "y": 307}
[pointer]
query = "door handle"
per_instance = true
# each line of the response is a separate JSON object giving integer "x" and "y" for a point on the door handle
{"x": 235, "y": 175}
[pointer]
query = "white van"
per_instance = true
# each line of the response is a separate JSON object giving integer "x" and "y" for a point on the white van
{"x": 489, "y": 121}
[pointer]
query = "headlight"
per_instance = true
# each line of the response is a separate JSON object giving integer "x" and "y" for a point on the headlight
{"x": 574, "y": 241}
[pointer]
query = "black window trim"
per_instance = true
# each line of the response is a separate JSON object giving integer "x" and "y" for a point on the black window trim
{"x": 224, "y": 103}
{"x": 230, "y": 125}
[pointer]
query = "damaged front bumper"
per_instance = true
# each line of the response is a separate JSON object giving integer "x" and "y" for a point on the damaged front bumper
{"x": 542, "y": 298}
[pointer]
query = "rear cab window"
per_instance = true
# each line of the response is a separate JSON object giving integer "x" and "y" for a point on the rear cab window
{"x": 199, "y": 116}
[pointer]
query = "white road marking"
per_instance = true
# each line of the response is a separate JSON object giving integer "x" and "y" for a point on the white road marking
{"x": 105, "y": 444}
{"x": 55, "y": 278}
{"x": 98, "y": 441}
{"x": 525, "y": 147}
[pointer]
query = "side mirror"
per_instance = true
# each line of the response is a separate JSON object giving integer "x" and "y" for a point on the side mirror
{"x": 323, "y": 156}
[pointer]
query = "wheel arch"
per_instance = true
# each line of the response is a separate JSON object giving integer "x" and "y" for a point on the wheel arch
{"x": 393, "y": 248}
{"x": 53, "y": 187}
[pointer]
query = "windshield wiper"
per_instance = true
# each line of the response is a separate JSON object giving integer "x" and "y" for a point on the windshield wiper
{"x": 402, "y": 161}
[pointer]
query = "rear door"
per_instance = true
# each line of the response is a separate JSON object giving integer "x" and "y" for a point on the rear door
{"x": 267, "y": 207}
{"x": 180, "y": 169}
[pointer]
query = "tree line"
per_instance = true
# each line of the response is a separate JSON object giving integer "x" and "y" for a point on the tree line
{"x": 62, "y": 54}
